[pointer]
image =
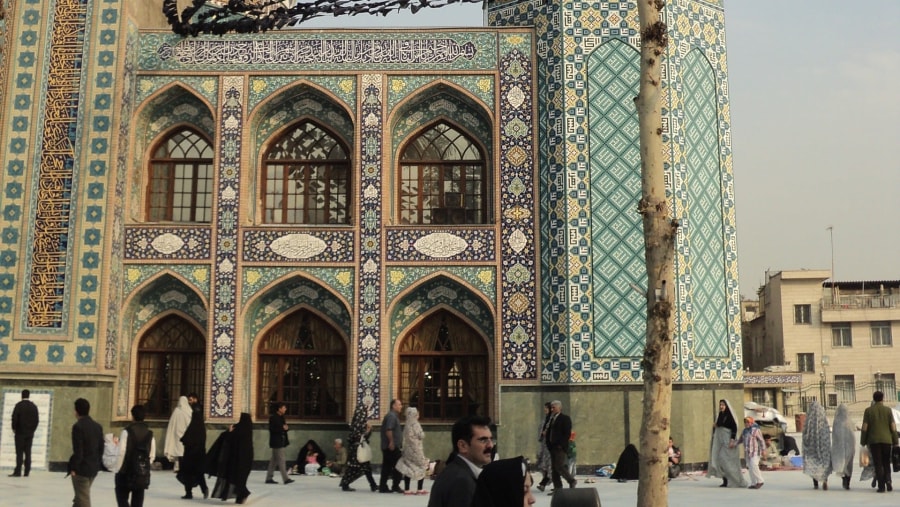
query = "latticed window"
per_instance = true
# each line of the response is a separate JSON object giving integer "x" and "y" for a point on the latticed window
{"x": 443, "y": 369}
{"x": 845, "y": 385}
{"x": 442, "y": 179}
{"x": 171, "y": 362}
{"x": 181, "y": 179}
{"x": 303, "y": 362}
{"x": 306, "y": 177}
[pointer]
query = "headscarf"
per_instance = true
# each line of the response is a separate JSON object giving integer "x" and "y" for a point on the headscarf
{"x": 727, "y": 419}
{"x": 305, "y": 451}
{"x": 178, "y": 424}
{"x": 816, "y": 443}
{"x": 725, "y": 460}
{"x": 501, "y": 484}
{"x": 843, "y": 443}
{"x": 413, "y": 463}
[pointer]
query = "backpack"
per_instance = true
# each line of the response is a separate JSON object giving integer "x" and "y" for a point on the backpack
{"x": 139, "y": 460}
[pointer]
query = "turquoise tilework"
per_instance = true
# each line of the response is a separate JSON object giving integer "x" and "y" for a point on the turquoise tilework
{"x": 200, "y": 86}
{"x": 620, "y": 312}
{"x": 263, "y": 87}
{"x": 288, "y": 294}
{"x": 299, "y": 102}
{"x": 481, "y": 279}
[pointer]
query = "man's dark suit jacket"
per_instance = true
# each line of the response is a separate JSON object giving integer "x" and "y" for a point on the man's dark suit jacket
{"x": 278, "y": 438}
{"x": 560, "y": 431}
{"x": 87, "y": 447}
{"x": 454, "y": 487}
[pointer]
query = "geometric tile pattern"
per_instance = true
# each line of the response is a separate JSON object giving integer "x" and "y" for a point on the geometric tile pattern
{"x": 148, "y": 243}
{"x": 257, "y": 279}
{"x": 569, "y": 33}
{"x": 299, "y": 101}
{"x": 441, "y": 101}
{"x": 702, "y": 221}
{"x": 340, "y": 89}
{"x": 289, "y": 294}
{"x": 620, "y": 311}
{"x": 201, "y": 86}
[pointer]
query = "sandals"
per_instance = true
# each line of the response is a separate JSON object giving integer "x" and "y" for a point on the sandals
{"x": 422, "y": 492}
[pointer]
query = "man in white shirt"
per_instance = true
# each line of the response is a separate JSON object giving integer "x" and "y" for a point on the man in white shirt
{"x": 473, "y": 446}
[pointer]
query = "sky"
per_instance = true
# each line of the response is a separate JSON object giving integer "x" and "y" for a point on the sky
{"x": 814, "y": 91}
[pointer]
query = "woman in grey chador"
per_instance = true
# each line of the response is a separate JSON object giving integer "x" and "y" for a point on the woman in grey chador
{"x": 817, "y": 446}
{"x": 724, "y": 458}
{"x": 843, "y": 445}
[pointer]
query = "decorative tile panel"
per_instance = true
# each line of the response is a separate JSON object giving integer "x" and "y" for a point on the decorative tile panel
{"x": 440, "y": 245}
{"x": 401, "y": 87}
{"x": 167, "y": 243}
{"x": 480, "y": 278}
{"x": 369, "y": 303}
{"x": 196, "y": 276}
{"x": 256, "y": 278}
{"x": 443, "y": 291}
{"x": 299, "y": 50}
{"x": 302, "y": 245}
{"x": 225, "y": 264}
{"x": 203, "y": 86}
{"x": 299, "y": 102}
{"x": 289, "y": 294}
{"x": 263, "y": 87}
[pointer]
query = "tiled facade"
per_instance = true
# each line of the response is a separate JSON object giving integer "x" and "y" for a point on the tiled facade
{"x": 548, "y": 282}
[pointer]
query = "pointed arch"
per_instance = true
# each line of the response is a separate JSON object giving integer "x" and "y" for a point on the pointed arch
{"x": 443, "y": 168}
{"x": 172, "y": 108}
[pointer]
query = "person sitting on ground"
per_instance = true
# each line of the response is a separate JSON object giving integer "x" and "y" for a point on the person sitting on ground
{"x": 772, "y": 455}
{"x": 310, "y": 450}
{"x": 340, "y": 458}
{"x": 790, "y": 445}
{"x": 674, "y": 454}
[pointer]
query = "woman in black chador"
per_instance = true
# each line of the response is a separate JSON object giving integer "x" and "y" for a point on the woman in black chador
{"x": 310, "y": 448}
{"x": 359, "y": 431}
{"x": 192, "y": 463}
{"x": 724, "y": 458}
{"x": 230, "y": 459}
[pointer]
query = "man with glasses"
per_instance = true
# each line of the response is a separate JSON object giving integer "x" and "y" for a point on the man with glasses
{"x": 472, "y": 449}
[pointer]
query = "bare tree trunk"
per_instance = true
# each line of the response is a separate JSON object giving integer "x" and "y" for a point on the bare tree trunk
{"x": 659, "y": 244}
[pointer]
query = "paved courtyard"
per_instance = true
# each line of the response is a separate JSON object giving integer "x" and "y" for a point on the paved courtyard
{"x": 51, "y": 489}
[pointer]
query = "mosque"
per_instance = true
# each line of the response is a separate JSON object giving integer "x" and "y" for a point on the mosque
{"x": 336, "y": 217}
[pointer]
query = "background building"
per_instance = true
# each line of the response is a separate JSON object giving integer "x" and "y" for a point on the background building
{"x": 335, "y": 217}
{"x": 837, "y": 336}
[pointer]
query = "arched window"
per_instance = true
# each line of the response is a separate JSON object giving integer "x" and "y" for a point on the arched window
{"x": 443, "y": 368}
{"x": 181, "y": 178}
{"x": 303, "y": 362}
{"x": 171, "y": 362}
{"x": 306, "y": 177}
{"x": 442, "y": 179}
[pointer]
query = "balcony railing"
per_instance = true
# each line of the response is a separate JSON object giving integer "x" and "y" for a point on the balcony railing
{"x": 862, "y": 302}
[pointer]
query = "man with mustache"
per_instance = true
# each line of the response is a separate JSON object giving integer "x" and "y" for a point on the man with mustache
{"x": 472, "y": 449}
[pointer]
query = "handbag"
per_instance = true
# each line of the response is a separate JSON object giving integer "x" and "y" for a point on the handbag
{"x": 895, "y": 458}
{"x": 363, "y": 452}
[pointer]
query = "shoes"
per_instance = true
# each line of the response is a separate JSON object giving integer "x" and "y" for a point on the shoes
{"x": 573, "y": 483}
{"x": 187, "y": 496}
{"x": 541, "y": 487}
{"x": 845, "y": 482}
{"x": 409, "y": 492}
{"x": 397, "y": 489}
{"x": 15, "y": 474}
{"x": 889, "y": 486}
{"x": 347, "y": 488}
{"x": 752, "y": 486}
{"x": 825, "y": 486}
{"x": 241, "y": 499}
{"x": 385, "y": 490}
{"x": 760, "y": 484}
{"x": 289, "y": 481}
{"x": 205, "y": 493}
{"x": 374, "y": 488}
{"x": 271, "y": 481}
{"x": 880, "y": 490}
{"x": 422, "y": 492}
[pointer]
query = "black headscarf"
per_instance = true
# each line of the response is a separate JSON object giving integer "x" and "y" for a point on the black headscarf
{"x": 501, "y": 484}
{"x": 305, "y": 451}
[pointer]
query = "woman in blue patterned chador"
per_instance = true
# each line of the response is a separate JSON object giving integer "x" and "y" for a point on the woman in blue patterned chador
{"x": 817, "y": 446}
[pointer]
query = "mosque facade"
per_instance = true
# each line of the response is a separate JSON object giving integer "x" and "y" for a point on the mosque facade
{"x": 341, "y": 217}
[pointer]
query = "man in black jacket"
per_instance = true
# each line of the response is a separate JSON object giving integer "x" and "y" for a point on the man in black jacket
{"x": 472, "y": 450}
{"x": 24, "y": 423}
{"x": 87, "y": 449}
{"x": 136, "y": 436}
{"x": 278, "y": 440}
{"x": 558, "y": 433}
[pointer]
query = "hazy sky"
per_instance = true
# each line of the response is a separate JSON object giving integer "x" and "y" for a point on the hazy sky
{"x": 815, "y": 112}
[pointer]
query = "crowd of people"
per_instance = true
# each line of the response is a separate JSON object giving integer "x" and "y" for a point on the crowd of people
{"x": 472, "y": 474}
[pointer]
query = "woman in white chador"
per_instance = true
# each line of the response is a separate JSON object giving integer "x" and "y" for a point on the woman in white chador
{"x": 178, "y": 424}
{"x": 843, "y": 445}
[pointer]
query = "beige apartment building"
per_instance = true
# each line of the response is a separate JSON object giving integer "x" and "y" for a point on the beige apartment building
{"x": 808, "y": 338}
